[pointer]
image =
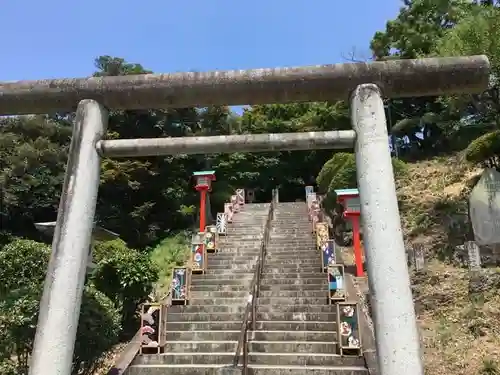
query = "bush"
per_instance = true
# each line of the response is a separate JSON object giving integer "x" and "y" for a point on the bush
{"x": 330, "y": 170}
{"x": 98, "y": 328}
{"x": 19, "y": 312}
{"x": 22, "y": 262}
{"x": 125, "y": 275}
{"x": 485, "y": 149}
{"x": 170, "y": 252}
{"x": 340, "y": 173}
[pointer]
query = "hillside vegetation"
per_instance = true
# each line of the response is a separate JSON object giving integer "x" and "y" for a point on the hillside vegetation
{"x": 459, "y": 325}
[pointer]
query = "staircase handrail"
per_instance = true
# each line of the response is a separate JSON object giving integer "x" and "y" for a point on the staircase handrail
{"x": 250, "y": 309}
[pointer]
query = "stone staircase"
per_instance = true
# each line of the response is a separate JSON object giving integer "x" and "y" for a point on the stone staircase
{"x": 202, "y": 336}
{"x": 295, "y": 331}
{"x": 296, "y": 327}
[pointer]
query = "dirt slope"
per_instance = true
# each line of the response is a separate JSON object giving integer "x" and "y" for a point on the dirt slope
{"x": 460, "y": 330}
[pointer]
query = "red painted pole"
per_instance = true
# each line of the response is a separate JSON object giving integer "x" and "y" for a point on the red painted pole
{"x": 203, "y": 198}
{"x": 357, "y": 246}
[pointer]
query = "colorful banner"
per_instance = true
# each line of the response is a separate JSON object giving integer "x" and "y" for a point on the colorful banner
{"x": 150, "y": 325}
{"x": 221, "y": 223}
{"x": 179, "y": 284}
{"x": 336, "y": 283}
{"x": 348, "y": 321}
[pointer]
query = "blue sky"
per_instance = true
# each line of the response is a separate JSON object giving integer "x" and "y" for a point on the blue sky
{"x": 61, "y": 38}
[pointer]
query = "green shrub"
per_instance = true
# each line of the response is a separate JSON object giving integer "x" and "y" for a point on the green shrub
{"x": 340, "y": 173}
{"x": 98, "y": 328}
{"x": 125, "y": 275}
{"x": 484, "y": 148}
{"x": 330, "y": 170}
{"x": 170, "y": 252}
{"x": 22, "y": 262}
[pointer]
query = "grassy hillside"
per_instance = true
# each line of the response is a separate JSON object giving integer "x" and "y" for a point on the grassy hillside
{"x": 460, "y": 330}
{"x": 458, "y": 315}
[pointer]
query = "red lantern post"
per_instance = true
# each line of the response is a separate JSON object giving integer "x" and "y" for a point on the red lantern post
{"x": 203, "y": 185}
{"x": 349, "y": 198}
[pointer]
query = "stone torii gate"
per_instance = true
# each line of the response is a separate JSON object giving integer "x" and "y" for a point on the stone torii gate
{"x": 396, "y": 331}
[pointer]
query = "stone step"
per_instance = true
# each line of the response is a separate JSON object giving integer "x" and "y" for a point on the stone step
{"x": 246, "y": 254}
{"x": 232, "y": 256}
{"x": 185, "y": 358}
{"x": 255, "y": 346}
{"x": 291, "y": 220}
{"x": 218, "y": 301}
{"x": 300, "y": 370}
{"x": 320, "y": 285}
{"x": 292, "y": 301}
{"x": 290, "y": 241}
{"x": 238, "y": 241}
{"x": 245, "y": 228}
{"x": 275, "y": 359}
{"x": 227, "y": 271}
{"x": 222, "y": 369}
{"x": 283, "y": 250}
{"x": 231, "y": 262}
{"x": 208, "y": 309}
{"x": 303, "y": 359}
{"x": 295, "y": 316}
{"x": 267, "y": 316}
{"x": 244, "y": 286}
{"x": 235, "y": 325}
{"x": 304, "y": 229}
{"x": 299, "y": 230}
{"x": 273, "y": 262}
{"x": 218, "y": 295}
{"x": 291, "y": 277}
{"x": 235, "y": 309}
{"x": 294, "y": 293}
{"x": 297, "y": 254}
{"x": 222, "y": 280}
{"x": 276, "y": 335}
{"x": 201, "y": 346}
{"x": 283, "y": 217}
{"x": 238, "y": 250}
{"x": 292, "y": 229}
{"x": 204, "y": 317}
{"x": 280, "y": 249}
{"x": 292, "y": 268}
{"x": 284, "y": 308}
{"x": 242, "y": 267}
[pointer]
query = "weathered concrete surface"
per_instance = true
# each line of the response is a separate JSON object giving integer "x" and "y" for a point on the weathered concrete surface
{"x": 397, "y": 78}
{"x": 64, "y": 283}
{"x": 338, "y": 139}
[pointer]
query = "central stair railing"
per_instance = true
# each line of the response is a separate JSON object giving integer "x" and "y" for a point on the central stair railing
{"x": 249, "y": 316}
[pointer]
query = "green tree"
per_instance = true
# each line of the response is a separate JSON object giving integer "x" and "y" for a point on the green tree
{"x": 98, "y": 328}
{"x": 33, "y": 150}
{"x": 23, "y": 265}
{"x": 22, "y": 262}
{"x": 413, "y": 34}
{"x": 124, "y": 275}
